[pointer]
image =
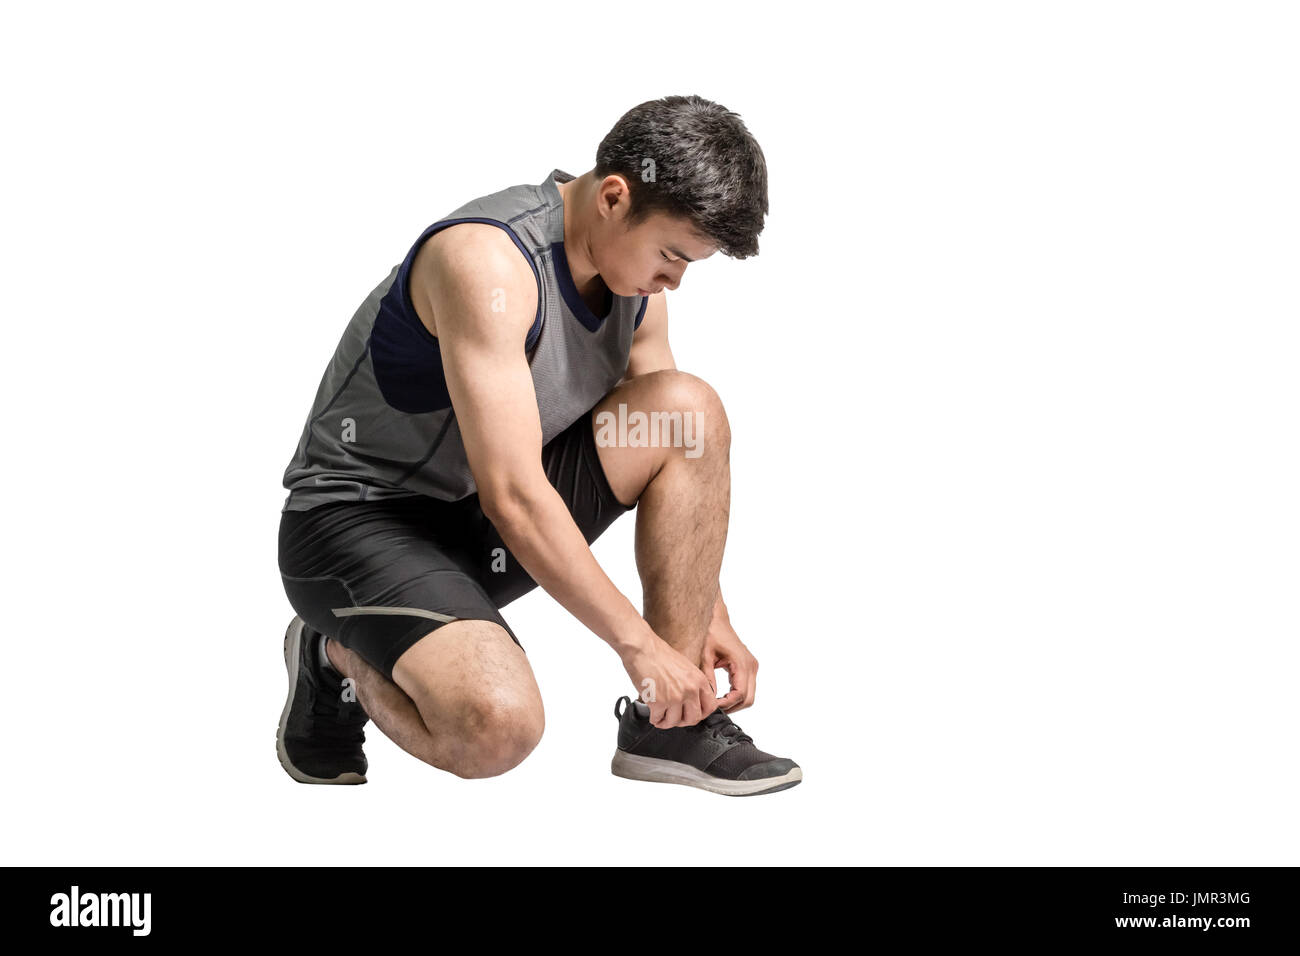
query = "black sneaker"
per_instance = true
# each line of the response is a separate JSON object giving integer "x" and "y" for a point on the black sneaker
{"x": 713, "y": 755}
{"x": 320, "y": 734}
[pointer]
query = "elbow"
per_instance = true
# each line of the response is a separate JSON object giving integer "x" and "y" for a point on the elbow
{"x": 504, "y": 504}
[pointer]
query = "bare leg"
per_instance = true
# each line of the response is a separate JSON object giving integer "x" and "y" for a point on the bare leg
{"x": 385, "y": 703}
{"x": 683, "y": 505}
{"x": 465, "y": 699}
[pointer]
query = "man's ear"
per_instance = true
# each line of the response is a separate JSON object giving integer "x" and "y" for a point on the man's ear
{"x": 614, "y": 192}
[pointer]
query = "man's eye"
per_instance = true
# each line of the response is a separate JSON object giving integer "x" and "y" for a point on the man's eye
{"x": 661, "y": 252}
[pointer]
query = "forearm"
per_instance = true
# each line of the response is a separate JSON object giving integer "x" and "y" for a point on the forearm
{"x": 540, "y": 532}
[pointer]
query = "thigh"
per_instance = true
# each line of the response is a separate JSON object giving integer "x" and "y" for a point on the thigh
{"x": 472, "y": 676}
{"x": 379, "y": 576}
{"x": 573, "y": 467}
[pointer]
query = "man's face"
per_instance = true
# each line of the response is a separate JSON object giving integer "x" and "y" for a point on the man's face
{"x": 647, "y": 258}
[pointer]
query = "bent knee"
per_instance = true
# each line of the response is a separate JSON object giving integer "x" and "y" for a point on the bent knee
{"x": 673, "y": 390}
{"x": 496, "y": 734}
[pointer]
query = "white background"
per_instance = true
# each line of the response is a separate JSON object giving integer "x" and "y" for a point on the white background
{"x": 1013, "y": 388}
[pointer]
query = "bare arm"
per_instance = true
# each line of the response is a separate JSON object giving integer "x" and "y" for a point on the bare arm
{"x": 458, "y": 281}
{"x": 650, "y": 351}
{"x": 492, "y": 392}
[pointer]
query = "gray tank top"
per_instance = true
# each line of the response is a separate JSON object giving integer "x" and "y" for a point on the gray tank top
{"x": 382, "y": 425}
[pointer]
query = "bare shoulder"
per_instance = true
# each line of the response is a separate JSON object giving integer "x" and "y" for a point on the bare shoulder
{"x": 473, "y": 268}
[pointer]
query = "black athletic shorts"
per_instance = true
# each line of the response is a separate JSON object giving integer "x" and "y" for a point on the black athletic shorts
{"x": 377, "y": 576}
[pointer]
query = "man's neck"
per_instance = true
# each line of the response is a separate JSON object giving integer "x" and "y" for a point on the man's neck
{"x": 576, "y": 194}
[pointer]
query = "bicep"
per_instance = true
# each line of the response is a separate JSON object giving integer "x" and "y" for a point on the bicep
{"x": 496, "y": 412}
{"x": 485, "y": 301}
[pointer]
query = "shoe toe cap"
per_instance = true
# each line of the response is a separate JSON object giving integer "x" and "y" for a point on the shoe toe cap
{"x": 769, "y": 768}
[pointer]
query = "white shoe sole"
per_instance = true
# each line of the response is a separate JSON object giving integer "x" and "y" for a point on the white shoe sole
{"x": 292, "y": 657}
{"x": 658, "y": 770}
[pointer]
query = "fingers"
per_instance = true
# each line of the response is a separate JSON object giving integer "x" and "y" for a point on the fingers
{"x": 670, "y": 717}
{"x": 691, "y": 710}
{"x": 657, "y": 714}
{"x": 698, "y": 704}
{"x": 736, "y": 695}
{"x": 744, "y": 679}
{"x": 708, "y": 701}
{"x": 733, "y": 697}
{"x": 696, "y": 699}
{"x": 694, "y": 707}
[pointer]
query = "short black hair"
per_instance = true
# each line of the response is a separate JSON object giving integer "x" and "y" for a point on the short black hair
{"x": 688, "y": 157}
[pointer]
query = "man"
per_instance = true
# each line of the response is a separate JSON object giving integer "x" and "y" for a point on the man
{"x": 466, "y": 445}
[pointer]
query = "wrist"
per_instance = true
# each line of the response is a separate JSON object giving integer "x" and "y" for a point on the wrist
{"x": 720, "y": 624}
{"x": 633, "y": 638}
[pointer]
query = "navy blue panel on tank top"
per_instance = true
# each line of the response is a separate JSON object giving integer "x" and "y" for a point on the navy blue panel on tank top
{"x": 406, "y": 355}
{"x": 574, "y": 301}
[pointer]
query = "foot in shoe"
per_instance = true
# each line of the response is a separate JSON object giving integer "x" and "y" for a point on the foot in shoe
{"x": 714, "y": 755}
{"x": 320, "y": 736}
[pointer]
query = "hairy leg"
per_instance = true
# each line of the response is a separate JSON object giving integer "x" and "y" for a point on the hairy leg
{"x": 463, "y": 698}
{"x": 683, "y": 503}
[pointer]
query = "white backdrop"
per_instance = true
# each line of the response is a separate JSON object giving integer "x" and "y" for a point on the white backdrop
{"x": 1012, "y": 387}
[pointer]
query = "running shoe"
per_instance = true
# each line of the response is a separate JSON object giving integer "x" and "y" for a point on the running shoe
{"x": 320, "y": 734}
{"x": 714, "y": 755}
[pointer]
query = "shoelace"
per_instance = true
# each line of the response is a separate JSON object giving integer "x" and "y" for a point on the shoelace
{"x": 341, "y": 725}
{"x": 336, "y": 719}
{"x": 720, "y": 725}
